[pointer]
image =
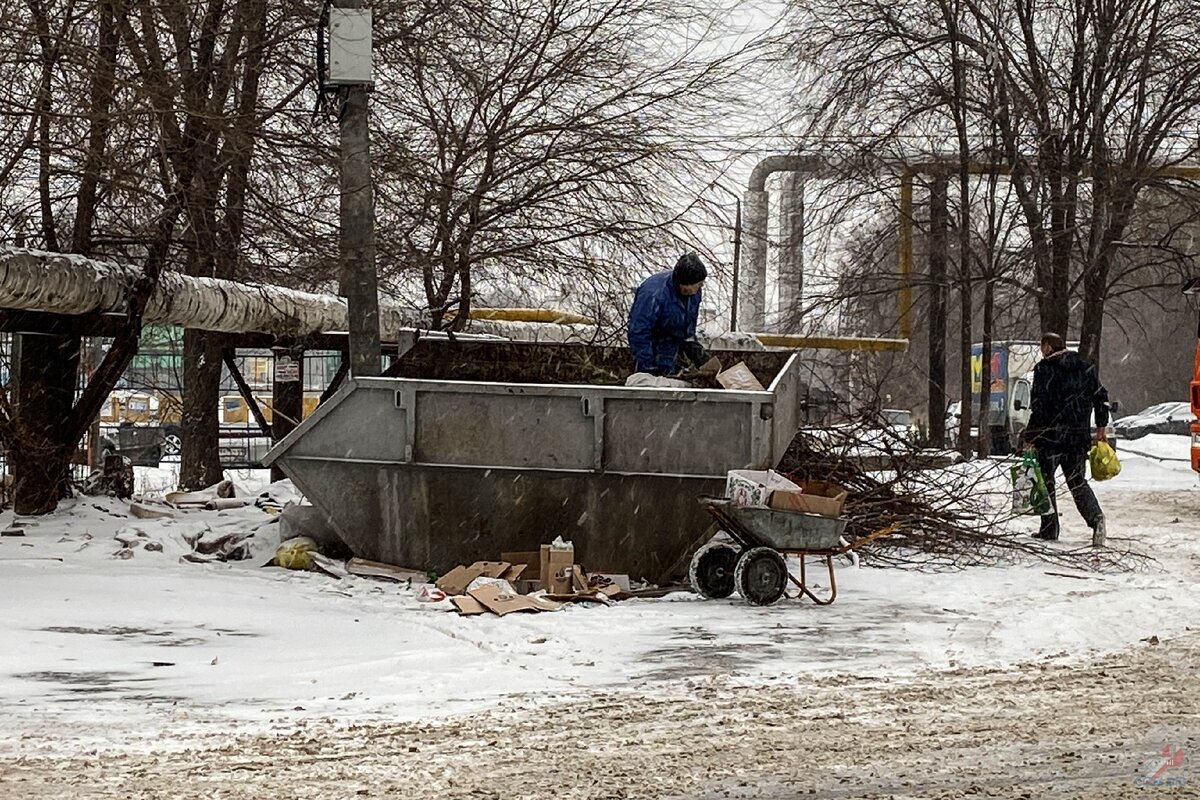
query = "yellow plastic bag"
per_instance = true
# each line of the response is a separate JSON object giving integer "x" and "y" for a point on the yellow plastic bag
{"x": 1104, "y": 462}
{"x": 296, "y": 553}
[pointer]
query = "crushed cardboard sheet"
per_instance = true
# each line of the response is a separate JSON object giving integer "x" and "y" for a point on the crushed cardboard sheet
{"x": 457, "y": 580}
{"x": 739, "y": 377}
{"x": 491, "y": 585}
{"x": 365, "y": 568}
{"x": 501, "y": 602}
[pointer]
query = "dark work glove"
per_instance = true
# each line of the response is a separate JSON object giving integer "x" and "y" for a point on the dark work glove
{"x": 694, "y": 352}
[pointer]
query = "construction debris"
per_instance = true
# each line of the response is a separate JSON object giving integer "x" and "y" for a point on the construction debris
{"x": 488, "y": 586}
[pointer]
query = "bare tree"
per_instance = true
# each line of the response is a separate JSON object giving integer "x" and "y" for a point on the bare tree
{"x": 532, "y": 141}
{"x": 1068, "y": 111}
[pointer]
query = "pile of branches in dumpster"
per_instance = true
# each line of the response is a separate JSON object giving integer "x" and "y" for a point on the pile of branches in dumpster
{"x": 951, "y": 513}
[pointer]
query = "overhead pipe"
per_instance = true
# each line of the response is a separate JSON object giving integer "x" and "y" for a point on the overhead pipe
{"x": 752, "y": 293}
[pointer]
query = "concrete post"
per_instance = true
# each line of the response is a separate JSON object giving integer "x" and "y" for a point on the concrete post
{"x": 359, "y": 280}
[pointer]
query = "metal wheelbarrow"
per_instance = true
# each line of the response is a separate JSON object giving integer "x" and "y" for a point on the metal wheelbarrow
{"x": 754, "y": 563}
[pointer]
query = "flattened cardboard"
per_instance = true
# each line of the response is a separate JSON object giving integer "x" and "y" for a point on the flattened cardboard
{"x": 500, "y": 602}
{"x": 814, "y": 497}
{"x": 468, "y": 606}
{"x": 492, "y": 569}
{"x": 579, "y": 581}
{"x": 513, "y": 574}
{"x": 740, "y": 377}
{"x": 458, "y": 579}
{"x": 377, "y": 569}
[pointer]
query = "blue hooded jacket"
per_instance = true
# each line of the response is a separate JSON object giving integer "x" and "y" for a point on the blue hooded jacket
{"x": 660, "y": 321}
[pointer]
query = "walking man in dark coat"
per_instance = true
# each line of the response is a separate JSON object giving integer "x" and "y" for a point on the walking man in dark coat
{"x": 1066, "y": 392}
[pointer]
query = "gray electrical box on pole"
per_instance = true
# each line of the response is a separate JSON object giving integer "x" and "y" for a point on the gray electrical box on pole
{"x": 349, "y": 73}
{"x": 349, "y": 47}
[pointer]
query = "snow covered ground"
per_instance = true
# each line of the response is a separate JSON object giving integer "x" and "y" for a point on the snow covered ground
{"x": 156, "y": 643}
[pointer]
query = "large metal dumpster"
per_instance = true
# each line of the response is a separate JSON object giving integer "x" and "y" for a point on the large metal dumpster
{"x": 428, "y": 472}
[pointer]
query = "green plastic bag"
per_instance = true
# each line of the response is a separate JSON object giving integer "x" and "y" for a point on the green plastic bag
{"x": 1103, "y": 460}
{"x": 1029, "y": 495}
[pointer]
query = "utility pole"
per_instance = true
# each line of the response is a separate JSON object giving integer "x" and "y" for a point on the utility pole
{"x": 350, "y": 73}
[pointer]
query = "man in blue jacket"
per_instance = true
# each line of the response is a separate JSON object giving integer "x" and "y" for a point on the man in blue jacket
{"x": 663, "y": 318}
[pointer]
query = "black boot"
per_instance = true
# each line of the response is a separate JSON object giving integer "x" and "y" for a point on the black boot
{"x": 1049, "y": 529}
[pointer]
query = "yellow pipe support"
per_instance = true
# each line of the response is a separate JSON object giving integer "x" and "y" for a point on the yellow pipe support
{"x": 833, "y": 342}
{"x": 549, "y": 315}
{"x": 904, "y": 256}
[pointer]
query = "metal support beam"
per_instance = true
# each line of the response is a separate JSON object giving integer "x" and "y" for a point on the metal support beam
{"x": 245, "y": 391}
{"x": 338, "y": 378}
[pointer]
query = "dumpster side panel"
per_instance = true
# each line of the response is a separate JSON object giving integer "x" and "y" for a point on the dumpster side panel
{"x": 457, "y": 426}
{"x": 653, "y": 436}
{"x": 437, "y": 517}
{"x": 365, "y": 424}
{"x": 788, "y": 414}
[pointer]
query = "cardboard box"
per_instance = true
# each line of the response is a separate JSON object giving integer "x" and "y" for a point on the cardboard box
{"x": 814, "y": 497}
{"x": 556, "y": 564}
{"x": 753, "y": 487}
{"x": 561, "y": 579}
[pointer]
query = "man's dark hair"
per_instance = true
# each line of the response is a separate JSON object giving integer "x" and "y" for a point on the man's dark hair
{"x": 689, "y": 269}
{"x": 1054, "y": 342}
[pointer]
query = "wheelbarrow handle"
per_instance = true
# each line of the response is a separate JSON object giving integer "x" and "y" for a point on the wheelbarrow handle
{"x": 870, "y": 537}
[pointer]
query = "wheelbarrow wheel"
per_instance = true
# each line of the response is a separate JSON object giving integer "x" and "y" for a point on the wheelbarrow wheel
{"x": 761, "y": 576}
{"x": 711, "y": 571}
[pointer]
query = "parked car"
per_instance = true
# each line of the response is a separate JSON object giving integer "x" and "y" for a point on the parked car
{"x": 1161, "y": 418}
{"x": 953, "y": 421}
{"x": 899, "y": 421}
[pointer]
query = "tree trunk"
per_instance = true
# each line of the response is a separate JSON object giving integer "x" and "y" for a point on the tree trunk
{"x": 937, "y": 311}
{"x": 201, "y": 461}
{"x": 985, "y": 373}
{"x": 46, "y": 378}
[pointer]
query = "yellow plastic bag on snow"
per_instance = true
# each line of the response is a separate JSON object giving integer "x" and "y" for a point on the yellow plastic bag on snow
{"x": 295, "y": 553}
{"x": 1103, "y": 460}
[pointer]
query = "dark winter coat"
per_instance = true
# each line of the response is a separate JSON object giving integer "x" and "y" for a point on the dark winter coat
{"x": 1066, "y": 391}
{"x": 660, "y": 322}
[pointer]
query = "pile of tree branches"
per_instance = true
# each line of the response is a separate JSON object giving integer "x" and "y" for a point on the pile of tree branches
{"x": 949, "y": 516}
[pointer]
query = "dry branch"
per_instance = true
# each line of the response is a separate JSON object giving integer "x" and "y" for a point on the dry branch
{"x": 944, "y": 517}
